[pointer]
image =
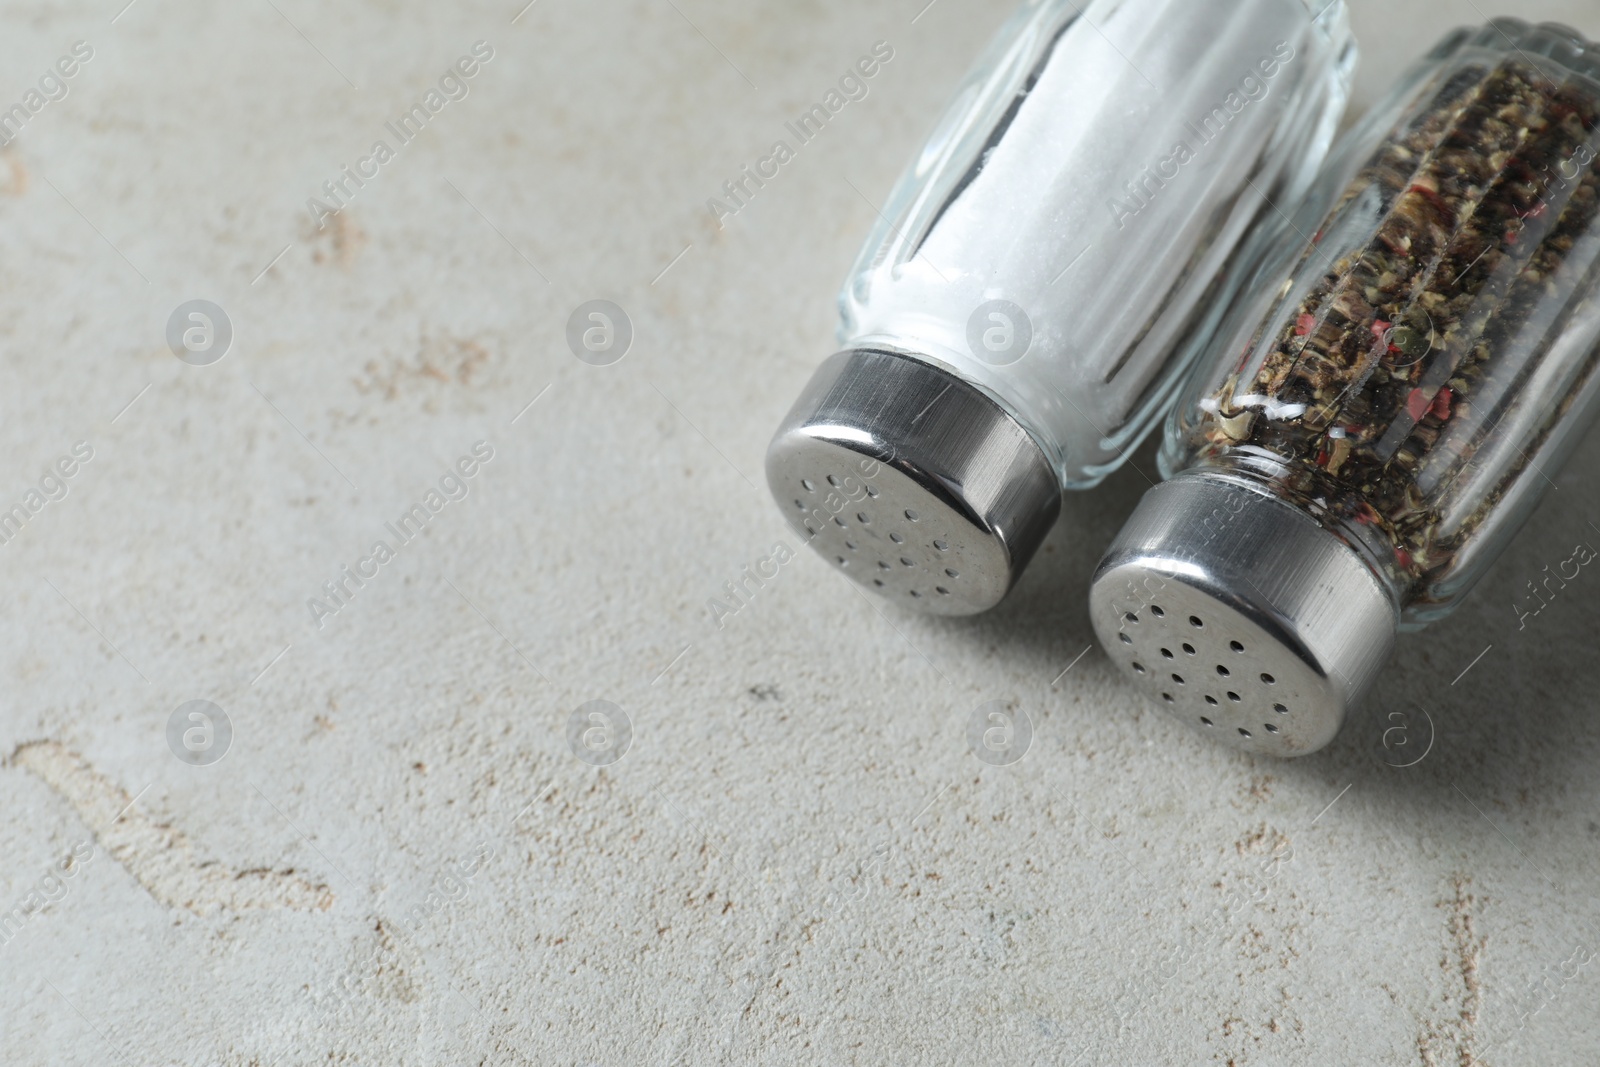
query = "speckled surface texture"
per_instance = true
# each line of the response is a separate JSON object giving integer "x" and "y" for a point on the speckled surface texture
{"x": 399, "y": 860}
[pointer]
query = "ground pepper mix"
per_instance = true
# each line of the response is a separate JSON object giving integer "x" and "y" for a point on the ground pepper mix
{"x": 1396, "y": 369}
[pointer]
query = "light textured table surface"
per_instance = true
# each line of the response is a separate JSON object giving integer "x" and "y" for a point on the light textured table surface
{"x": 399, "y": 859}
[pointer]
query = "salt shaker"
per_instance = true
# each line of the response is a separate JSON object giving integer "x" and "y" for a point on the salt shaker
{"x": 1012, "y": 324}
{"x": 1382, "y": 407}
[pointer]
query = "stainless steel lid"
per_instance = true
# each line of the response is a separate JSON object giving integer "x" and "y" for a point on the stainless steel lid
{"x": 912, "y": 482}
{"x": 1241, "y": 615}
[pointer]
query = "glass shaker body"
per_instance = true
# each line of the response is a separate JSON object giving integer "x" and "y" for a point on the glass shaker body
{"x": 1038, "y": 265}
{"x": 1097, "y": 173}
{"x": 1408, "y": 356}
{"x": 1432, "y": 355}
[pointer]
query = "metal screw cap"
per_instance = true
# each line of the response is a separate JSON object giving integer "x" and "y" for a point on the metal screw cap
{"x": 1241, "y": 615}
{"x": 912, "y": 482}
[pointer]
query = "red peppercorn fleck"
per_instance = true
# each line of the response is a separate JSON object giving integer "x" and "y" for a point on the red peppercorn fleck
{"x": 1417, "y": 404}
{"x": 1432, "y": 197}
{"x": 1441, "y": 403}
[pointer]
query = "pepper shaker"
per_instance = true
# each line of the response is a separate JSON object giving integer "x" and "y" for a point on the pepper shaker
{"x": 1011, "y": 327}
{"x": 1378, "y": 413}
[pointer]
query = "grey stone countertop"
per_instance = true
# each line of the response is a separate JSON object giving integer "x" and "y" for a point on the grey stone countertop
{"x": 398, "y": 860}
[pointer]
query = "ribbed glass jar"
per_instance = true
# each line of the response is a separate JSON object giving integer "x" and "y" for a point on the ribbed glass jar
{"x": 1411, "y": 356}
{"x": 1060, "y": 232}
